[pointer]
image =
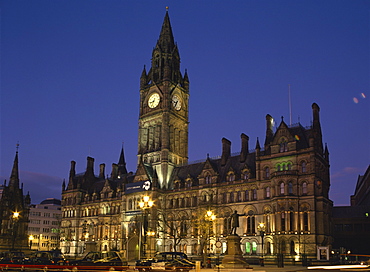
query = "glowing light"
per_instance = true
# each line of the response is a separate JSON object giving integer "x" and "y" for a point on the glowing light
{"x": 363, "y": 95}
{"x": 297, "y": 137}
{"x": 355, "y": 100}
{"x": 15, "y": 215}
{"x": 146, "y": 198}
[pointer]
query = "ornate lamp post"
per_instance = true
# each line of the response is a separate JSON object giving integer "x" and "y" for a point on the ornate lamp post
{"x": 210, "y": 217}
{"x": 261, "y": 229}
{"x": 15, "y": 217}
{"x": 145, "y": 204}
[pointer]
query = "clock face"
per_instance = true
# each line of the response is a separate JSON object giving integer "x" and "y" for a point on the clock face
{"x": 176, "y": 102}
{"x": 153, "y": 100}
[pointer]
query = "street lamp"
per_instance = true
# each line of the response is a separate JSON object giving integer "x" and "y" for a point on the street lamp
{"x": 145, "y": 204}
{"x": 210, "y": 217}
{"x": 261, "y": 229}
{"x": 15, "y": 217}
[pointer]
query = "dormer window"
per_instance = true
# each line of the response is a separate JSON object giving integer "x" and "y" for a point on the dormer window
{"x": 208, "y": 179}
{"x": 231, "y": 177}
{"x": 283, "y": 145}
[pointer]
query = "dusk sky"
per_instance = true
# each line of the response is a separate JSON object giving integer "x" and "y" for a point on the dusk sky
{"x": 70, "y": 74}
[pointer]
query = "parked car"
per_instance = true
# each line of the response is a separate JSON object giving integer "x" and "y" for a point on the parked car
{"x": 177, "y": 261}
{"x": 101, "y": 258}
{"x": 12, "y": 257}
{"x": 48, "y": 257}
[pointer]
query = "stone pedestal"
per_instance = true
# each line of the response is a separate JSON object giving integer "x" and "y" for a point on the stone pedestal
{"x": 233, "y": 256}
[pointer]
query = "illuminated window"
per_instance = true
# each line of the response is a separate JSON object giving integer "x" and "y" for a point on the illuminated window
{"x": 254, "y": 248}
{"x": 246, "y": 175}
{"x": 248, "y": 248}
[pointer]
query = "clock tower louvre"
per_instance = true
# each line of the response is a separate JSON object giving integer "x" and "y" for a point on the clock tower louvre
{"x": 163, "y": 120}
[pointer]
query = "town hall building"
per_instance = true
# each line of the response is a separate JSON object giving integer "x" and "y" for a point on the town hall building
{"x": 279, "y": 188}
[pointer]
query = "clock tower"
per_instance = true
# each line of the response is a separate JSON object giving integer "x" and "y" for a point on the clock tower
{"x": 164, "y": 109}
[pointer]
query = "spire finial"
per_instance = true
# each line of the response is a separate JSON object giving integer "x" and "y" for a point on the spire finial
{"x": 167, "y": 8}
{"x": 17, "y": 146}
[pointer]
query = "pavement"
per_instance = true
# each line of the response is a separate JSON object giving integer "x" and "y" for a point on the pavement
{"x": 266, "y": 268}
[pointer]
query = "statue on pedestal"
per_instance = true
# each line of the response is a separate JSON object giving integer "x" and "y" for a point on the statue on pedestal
{"x": 235, "y": 222}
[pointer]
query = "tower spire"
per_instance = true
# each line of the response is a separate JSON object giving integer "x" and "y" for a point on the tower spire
{"x": 122, "y": 163}
{"x": 14, "y": 177}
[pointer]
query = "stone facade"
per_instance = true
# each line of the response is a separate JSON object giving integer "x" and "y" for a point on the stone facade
{"x": 284, "y": 184}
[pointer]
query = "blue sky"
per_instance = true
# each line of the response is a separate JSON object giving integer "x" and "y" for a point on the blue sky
{"x": 70, "y": 75}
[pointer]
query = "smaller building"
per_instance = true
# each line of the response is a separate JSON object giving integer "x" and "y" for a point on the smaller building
{"x": 44, "y": 225}
{"x": 352, "y": 223}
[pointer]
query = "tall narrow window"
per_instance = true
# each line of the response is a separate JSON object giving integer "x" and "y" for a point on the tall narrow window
{"x": 268, "y": 195}
{"x": 254, "y": 194}
{"x": 292, "y": 248}
{"x": 291, "y": 221}
{"x": 305, "y": 221}
{"x": 282, "y": 188}
{"x": 248, "y": 248}
{"x": 304, "y": 168}
{"x": 238, "y": 196}
{"x": 304, "y": 188}
{"x": 290, "y": 188}
{"x": 246, "y": 195}
{"x": 231, "y": 199}
{"x": 267, "y": 172}
{"x": 283, "y": 221}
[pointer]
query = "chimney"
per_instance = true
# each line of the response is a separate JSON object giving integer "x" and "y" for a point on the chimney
{"x": 90, "y": 166}
{"x": 72, "y": 172}
{"x": 245, "y": 147}
{"x": 114, "y": 173}
{"x": 269, "y": 131}
{"x": 226, "y": 151}
{"x": 102, "y": 170}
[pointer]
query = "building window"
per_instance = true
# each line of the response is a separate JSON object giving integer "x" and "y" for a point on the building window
{"x": 231, "y": 197}
{"x": 208, "y": 179}
{"x": 224, "y": 198}
{"x": 305, "y": 221}
{"x": 290, "y": 188}
{"x": 292, "y": 248}
{"x": 248, "y": 248}
{"x": 254, "y": 248}
{"x": 268, "y": 192}
{"x": 282, "y": 221}
{"x": 304, "y": 167}
{"x": 254, "y": 191}
{"x": 246, "y": 195}
{"x": 283, "y": 146}
{"x": 267, "y": 172}
{"x": 251, "y": 222}
{"x": 231, "y": 177}
{"x": 282, "y": 188}
{"x": 246, "y": 175}
{"x": 291, "y": 221}
{"x": 304, "y": 188}
{"x": 238, "y": 196}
